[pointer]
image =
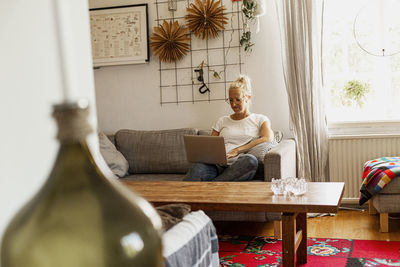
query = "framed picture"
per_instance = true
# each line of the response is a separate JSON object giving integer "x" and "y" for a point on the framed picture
{"x": 119, "y": 35}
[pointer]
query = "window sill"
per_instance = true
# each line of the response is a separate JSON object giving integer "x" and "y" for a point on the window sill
{"x": 367, "y": 128}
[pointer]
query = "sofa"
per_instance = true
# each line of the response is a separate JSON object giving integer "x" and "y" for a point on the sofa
{"x": 160, "y": 155}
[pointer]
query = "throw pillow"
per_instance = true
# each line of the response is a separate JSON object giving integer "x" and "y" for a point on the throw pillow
{"x": 114, "y": 159}
{"x": 278, "y": 135}
{"x": 260, "y": 150}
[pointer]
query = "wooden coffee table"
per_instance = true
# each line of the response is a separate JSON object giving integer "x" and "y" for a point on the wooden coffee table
{"x": 251, "y": 196}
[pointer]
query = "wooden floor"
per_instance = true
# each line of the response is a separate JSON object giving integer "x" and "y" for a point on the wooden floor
{"x": 347, "y": 224}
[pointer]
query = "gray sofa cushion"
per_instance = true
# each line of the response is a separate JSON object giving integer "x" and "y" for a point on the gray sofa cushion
{"x": 160, "y": 151}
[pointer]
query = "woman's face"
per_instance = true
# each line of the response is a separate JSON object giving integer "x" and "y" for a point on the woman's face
{"x": 237, "y": 100}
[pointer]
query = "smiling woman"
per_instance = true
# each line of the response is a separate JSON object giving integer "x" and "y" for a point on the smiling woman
{"x": 242, "y": 131}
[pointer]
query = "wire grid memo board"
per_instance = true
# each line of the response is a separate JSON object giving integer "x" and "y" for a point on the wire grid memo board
{"x": 178, "y": 81}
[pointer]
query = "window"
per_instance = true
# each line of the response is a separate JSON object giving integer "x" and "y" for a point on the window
{"x": 360, "y": 86}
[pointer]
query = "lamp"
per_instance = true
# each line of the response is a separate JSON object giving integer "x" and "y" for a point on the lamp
{"x": 376, "y": 28}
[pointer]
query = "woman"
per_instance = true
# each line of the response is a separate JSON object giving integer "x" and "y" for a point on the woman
{"x": 242, "y": 131}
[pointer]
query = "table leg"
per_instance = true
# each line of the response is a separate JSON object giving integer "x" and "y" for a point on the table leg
{"x": 294, "y": 238}
{"x": 288, "y": 239}
{"x": 301, "y": 225}
{"x": 277, "y": 229}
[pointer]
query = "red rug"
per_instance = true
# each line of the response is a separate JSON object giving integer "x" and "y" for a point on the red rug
{"x": 244, "y": 251}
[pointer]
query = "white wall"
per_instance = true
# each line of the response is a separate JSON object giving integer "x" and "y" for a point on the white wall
{"x": 30, "y": 83}
{"x": 129, "y": 96}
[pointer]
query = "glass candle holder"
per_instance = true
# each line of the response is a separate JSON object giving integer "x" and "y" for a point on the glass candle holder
{"x": 289, "y": 186}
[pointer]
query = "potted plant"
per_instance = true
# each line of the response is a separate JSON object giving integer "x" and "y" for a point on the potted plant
{"x": 354, "y": 92}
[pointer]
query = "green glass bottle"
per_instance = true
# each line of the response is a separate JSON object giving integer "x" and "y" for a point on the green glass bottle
{"x": 80, "y": 217}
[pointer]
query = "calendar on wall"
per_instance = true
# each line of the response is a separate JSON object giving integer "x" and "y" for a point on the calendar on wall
{"x": 220, "y": 58}
{"x": 119, "y": 35}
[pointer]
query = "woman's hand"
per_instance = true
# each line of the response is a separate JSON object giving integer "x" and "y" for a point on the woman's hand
{"x": 232, "y": 153}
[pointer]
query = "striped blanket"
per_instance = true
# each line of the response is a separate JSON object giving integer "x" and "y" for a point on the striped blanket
{"x": 192, "y": 242}
{"x": 377, "y": 174}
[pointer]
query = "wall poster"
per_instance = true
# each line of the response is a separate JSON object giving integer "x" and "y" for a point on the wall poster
{"x": 119, "y": 35}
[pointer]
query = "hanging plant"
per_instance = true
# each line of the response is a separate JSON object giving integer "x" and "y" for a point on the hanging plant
{"x": 355, "y": 92}
{"x": 249, "y": 11}
{"x": 206, "y": 18}
{"x": 170, "y": 41}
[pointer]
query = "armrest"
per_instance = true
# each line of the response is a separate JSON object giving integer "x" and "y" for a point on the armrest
{"x": 280, "y": 161}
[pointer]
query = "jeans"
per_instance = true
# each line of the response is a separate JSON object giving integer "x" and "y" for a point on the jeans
{"x": 243, "y": 169}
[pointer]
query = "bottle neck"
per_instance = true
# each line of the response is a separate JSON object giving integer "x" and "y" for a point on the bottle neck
{"x": 74, "y": 166}
{"x": 72, "y": 122}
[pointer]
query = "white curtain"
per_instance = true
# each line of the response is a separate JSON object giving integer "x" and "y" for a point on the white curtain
{"x": 300, "y": 24}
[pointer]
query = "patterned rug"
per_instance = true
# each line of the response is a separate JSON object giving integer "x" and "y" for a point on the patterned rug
{"x": 244, "y": 251}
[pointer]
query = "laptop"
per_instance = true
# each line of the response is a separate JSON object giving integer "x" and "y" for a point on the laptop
{"x": 205, "y": 149}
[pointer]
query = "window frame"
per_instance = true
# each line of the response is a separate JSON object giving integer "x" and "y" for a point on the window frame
{"x": 361, "y": 127}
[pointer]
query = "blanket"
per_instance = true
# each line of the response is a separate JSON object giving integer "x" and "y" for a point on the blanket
{"x": 377, "y": 174}
{"x": 192, "y": 242}
{"x": 171, "y": 214}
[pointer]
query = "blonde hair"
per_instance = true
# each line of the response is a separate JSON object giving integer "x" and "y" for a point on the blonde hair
{"x": 242, "y": 83}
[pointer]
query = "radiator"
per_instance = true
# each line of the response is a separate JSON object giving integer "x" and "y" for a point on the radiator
{"x": 347, "y": 155}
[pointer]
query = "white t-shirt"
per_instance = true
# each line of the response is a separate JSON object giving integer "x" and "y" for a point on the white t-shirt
{"x": 239, "y": 132}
